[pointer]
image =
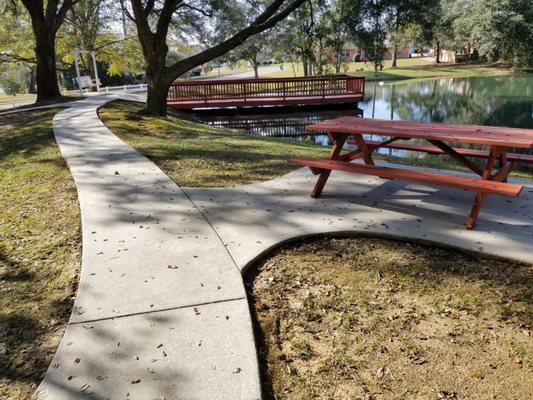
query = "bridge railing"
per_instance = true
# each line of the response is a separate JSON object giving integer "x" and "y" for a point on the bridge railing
{"x": 278, "y": 88}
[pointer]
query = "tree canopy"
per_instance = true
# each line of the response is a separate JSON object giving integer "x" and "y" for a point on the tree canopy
{"x": 161, "y": 40}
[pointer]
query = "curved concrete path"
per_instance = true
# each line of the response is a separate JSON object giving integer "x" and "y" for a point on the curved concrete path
{"x": 161, "y": 311}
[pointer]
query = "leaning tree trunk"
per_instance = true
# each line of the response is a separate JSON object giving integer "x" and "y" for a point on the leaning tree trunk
{"x": 437, "y": 59}
{"x": 394, "y": 56}
{"x": 255, "y": 66}
{"x": 45, "y": 52}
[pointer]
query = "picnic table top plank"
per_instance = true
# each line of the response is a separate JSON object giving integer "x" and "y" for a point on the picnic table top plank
{"x": 475, "y": 134}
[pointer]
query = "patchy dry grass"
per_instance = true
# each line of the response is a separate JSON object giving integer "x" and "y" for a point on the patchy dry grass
{"x": 194, "y": 154}
{"x": 364, "y": 318}
{"x": 40, "y": 250}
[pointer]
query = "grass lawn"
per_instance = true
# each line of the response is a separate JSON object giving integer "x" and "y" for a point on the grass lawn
{"x": 407, "y": 69}
{"x": 40, "y": 249}
{"x": 23, "y": 96}
{"x": 364, "y": 318}
{"x": 195, "y": 154}
{"x": 237, "y": 69}
{"x": 8, "y": 101}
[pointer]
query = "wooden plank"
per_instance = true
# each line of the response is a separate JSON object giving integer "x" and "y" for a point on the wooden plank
{"x": 527, "y": 158}
{"x": 461, "y": 159}
{"x": 324, "y": 174}
{"x": 476, "y": 134}
{"x": 232, "y": 102}
{"x": 361, "y": 145}
{"x": 409, "y": 175}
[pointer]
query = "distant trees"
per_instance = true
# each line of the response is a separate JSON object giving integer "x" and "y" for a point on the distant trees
{"x": 317, "y": 34}
{"x": 338, "y": 34}
{"x": 298, "y": 38}
{"x": 497, "y": 30}
{"x": 11, "y": 85}
{"x": 319, "y": 31}
{"x": 165, "y": 39}
{"x": 251, "y": 51}
{"x": 380, "y": 26}
{"x": 494, "y": 30}
{"x": 369, "y": 30}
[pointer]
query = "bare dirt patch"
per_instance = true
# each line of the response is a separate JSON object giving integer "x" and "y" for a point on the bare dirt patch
{"x": 366, "y": 318}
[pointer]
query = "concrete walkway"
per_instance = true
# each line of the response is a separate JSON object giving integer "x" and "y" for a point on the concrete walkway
{"x": 161, "y": 311}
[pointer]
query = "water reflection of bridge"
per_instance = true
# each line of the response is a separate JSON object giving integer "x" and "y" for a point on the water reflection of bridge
{"x": 275, "y": 124}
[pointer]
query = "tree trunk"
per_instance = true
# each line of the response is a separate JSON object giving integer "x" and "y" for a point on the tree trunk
{"x": 394, "y": 56}
{"x": 338, "y": 62}
{"x": 255, "y": 66}
{"x": 87, "y": 61}
{"x": 319, "y": 64}
{"x": 156, "y": 102}
{"x": 45, "y": 52}
{"x": 305, "y": 66}
{"x": 437, "y": 59}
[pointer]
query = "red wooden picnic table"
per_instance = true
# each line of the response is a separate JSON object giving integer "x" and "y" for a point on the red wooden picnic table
{"x": 492, "y": 177}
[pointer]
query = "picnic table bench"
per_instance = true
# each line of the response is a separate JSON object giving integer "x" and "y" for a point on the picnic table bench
{"x": 492, "y": 177}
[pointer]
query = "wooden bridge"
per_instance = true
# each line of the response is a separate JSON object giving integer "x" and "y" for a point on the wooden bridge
{"x": 334, "y": 89}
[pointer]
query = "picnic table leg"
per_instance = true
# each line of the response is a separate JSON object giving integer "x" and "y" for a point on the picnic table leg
{"x": 497, "y": 153}
{"x": 472, "y": 218}
{"x": 363, "y": 147}
{"x": 339, "y": 139}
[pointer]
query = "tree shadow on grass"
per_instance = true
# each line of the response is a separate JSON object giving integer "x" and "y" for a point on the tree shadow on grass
{"x": 27, "y": 348}
{"x": 22, "y": 359}
{"x": 26, "y": 133}
{"x": 12, "y": 270}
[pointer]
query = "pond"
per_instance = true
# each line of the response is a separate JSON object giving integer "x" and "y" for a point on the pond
{"x": 497, "y": 101}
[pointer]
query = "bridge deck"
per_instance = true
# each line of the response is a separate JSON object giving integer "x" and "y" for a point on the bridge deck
{"x": 262, "y": 92}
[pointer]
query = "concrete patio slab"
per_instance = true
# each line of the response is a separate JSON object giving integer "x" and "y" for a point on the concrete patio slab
{"x": 253, "y": 218}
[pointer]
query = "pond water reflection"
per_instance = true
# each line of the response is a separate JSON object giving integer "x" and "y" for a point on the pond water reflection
{"x": 497, "y": 101}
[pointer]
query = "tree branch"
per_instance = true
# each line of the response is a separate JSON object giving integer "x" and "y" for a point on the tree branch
{"x": 198, "y": 10}
{"x": 165, "y": 17}
{"x": 264, "y": 21}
